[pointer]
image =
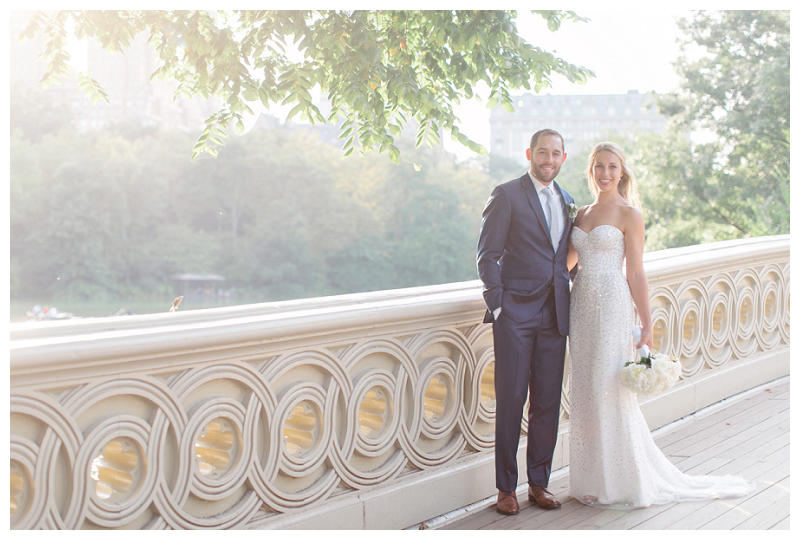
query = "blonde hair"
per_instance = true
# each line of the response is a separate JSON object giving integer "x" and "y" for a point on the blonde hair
{"x": 627, "y": 182}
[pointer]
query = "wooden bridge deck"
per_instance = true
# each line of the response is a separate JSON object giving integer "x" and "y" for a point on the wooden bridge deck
{"x": 746, "y": 436}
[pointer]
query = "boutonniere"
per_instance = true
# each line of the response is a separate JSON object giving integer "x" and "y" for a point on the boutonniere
{"x": 573, "y": 211}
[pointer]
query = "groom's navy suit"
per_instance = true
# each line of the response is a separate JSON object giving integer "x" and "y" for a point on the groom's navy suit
{"x": 525, "y": 276}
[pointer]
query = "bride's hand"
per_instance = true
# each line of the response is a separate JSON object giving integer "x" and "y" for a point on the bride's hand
{"x": 647, "y": 337}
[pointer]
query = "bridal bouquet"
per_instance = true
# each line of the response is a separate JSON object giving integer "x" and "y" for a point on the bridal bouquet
{"x": 651, "y": 373}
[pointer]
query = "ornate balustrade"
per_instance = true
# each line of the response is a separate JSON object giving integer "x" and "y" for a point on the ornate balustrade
{"x": 358, "y": 411}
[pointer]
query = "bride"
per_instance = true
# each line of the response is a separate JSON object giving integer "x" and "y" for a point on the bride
{"x": 613, "y": 460}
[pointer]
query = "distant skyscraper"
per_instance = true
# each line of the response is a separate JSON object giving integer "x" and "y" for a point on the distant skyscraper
{"x": 582, "y": 120}
{"x": 126, "y": 81}
{"x": 124, "y": 77}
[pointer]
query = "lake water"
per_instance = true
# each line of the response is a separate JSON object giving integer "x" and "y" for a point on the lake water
{"x": 81, "y": 308}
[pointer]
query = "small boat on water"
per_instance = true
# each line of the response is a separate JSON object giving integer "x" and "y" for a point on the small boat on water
{"x": 47, "y": 313}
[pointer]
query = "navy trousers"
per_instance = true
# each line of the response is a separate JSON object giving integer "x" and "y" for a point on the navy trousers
{"x": 529, "y": 358}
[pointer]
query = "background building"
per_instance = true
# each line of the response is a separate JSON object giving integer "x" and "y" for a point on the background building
{"x": 125, "y": 78}
{"x": 582, "y": 120}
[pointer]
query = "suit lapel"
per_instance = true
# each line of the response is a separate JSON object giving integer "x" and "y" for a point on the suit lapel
{"x": 565, "y": 231}
{"x": 536, "y": 205}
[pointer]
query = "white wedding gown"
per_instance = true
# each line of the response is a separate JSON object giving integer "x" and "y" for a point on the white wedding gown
{"x": 613, "y": 461}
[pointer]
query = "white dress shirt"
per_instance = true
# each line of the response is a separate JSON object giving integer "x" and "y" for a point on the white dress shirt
{"x": 558, "y": 214}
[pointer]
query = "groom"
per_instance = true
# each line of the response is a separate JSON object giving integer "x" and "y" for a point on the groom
{"x": 522, "y": 261}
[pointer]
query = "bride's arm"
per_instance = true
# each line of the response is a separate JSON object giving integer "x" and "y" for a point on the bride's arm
{"x": 572, "y": 257}
{"x": 572, "y": 254}
{"x": 634, "y": 270}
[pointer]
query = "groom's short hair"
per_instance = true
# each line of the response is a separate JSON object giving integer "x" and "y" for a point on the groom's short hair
{"x": 541, "y": 132}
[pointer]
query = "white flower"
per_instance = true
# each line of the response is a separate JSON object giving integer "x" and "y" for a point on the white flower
{"x": 660, "y": 375}
{"x": 660, "y": 364}
{"x": 573, "y": 211}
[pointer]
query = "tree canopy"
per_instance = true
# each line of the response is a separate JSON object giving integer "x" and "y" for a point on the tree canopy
{"x": 112, "y": 214}
{"x": 380, "y": 69}
{"x": 733, "y": 180}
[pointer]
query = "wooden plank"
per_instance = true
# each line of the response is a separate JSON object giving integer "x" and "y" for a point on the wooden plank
{"x": 737, "y": 445}
{"x": 750, "y": 438}
{"x": 735, "y": 413}
{"x": 477, "y": 520}
{"x": 739, "y": 466}
{"x": 783, "y": 525}
{"x": 702, "y": 430}
{"x": 781, "y": 454}
{"x": 676, "y": 512}
{"x": 755, "y": 422}
{"x": 770, "y": 516}
{"x": 712, "y": 509}
{"x": 749, "y": 466}
{"x": 761, "y": 439}
{"x": 633, "y": 518}
{"x": 703, "y": 514}
{"x": 473, "y": 521}
{"x": 741, "y": 415}
{"x": 767, "y": 495}
{"x": 599, "y": 520}
{"x": 570, "y": 510}
{"x": 709, "y": 466}
{"x": 530, "y": 517}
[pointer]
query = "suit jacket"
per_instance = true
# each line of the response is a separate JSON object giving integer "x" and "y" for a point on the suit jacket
{"x": 516, "y": 259}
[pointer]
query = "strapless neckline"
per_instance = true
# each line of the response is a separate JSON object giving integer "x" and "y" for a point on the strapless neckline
{"x": 597, "y": 227}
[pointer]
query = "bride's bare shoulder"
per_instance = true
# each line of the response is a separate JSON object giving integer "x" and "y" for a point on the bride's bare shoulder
{"x": 580, "y": 214}
{"x": 631, "y": 217}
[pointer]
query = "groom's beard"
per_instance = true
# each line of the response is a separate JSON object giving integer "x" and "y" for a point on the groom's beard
{"x": 545, "y": 176}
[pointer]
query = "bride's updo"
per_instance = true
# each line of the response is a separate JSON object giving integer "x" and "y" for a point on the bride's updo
{"x": 627, "y": 182}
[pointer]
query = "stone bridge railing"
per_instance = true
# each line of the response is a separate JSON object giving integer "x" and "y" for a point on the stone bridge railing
{"x": 359, "y": 411}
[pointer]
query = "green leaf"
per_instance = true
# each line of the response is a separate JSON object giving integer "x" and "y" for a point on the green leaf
{"x": 376, "y": 65}
{"x": 296, "y": 109}
{"x": 250, "y": 94}
{"x": 91, "y": 88}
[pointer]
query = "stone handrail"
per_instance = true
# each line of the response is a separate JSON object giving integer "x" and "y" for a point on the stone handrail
{"x": 366, "y": 410}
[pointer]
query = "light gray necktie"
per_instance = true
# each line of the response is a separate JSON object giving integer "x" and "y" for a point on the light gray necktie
{"x": 550, "y": 212}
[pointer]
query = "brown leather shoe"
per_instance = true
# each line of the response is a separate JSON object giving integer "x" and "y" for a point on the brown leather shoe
{"x": 507, "y": 502}
{"x": 543, "y": 498}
